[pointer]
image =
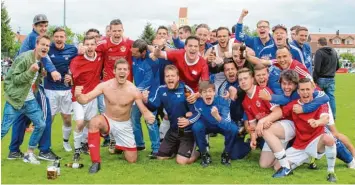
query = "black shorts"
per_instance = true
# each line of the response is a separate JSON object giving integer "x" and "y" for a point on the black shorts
{"x": 173, "y": 144}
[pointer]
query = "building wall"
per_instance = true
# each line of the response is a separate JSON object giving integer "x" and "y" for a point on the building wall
{"x": 345, "y": 50}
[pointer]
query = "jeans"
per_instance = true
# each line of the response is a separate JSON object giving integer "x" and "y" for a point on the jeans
{"x": 33, "y": 111}
{"x": 200, "y": 128}
{"x": 100, "y": 104}
{"x": 19, "y": 127}
{"x": 153, "y": 130}
{"x": 328, "y": 86}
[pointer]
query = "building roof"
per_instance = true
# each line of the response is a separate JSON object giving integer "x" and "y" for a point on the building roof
{"x": 183, "y": 12}
{"x": 313, "y": 40}
{"x": 19, "y": 37}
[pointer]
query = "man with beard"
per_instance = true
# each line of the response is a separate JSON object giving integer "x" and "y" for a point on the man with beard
{"x": 301, "y": 43}
{"x": 58, "y": 93}
{"x": 213, "y": 116}
{"x": 256, "y": 43}
{"x": 262, "y": 117}
{"x": 86, "y": 71}
{"x": 20, "y": 84}
{"x": 116, "y": 120}
{"x": 179, "y": 139}
{"x": 240, "y": 148}
{"x": 311, "y": 139}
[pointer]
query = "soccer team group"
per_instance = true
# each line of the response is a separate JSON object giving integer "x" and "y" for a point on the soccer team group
{"x": 211, "y": 82}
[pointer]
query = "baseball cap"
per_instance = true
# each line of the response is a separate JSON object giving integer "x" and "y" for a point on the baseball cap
{"x": 40, "y": 18}
{"x": 279, "y": 26}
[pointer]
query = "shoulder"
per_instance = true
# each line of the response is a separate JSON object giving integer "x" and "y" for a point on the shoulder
{"x": 267, "y": 48}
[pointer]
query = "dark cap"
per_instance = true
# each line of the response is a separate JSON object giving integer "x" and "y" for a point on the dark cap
{"x": 40, "y": 18}
{"x": 279, "y": 26}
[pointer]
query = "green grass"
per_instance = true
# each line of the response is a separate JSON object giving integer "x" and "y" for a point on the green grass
{"x": 115, "y": 170}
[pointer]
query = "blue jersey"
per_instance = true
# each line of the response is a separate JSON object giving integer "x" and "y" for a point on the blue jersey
{"x": 143, "y": 75}
{"x": 204, "y": 110}
{"x": 236, "y": 108}
{"x": 306, "y": 54}
{"x": 30, "y": 44}
{"x": 319, "y": 98}
{"x": 252, "y": 42}
{"x": 174, "y": 102}
{"x": 61, "y": 59}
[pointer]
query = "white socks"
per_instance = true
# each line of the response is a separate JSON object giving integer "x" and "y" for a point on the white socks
{"x": 77, "y": 139}
{"x": 85, "y": 132}
{"x": 281, "y": 157}
{"x": 331, "y": 153}
{"x": 66, "y": 133}
{"x": 164, "y": 127}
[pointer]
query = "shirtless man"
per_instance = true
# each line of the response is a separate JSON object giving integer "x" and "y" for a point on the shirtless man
{"x": 116, "y": 120}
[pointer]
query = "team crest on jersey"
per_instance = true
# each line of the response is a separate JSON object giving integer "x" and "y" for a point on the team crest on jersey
{"x": 258, "y": 103}
{"x": 194, "y": 72}
{"x": 123, "y": 48}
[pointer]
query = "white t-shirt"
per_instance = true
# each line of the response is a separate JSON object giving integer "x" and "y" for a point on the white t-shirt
{"x": 30, "y": 95}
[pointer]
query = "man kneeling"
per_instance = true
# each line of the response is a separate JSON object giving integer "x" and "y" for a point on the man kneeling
{"x": 119, "y": 95}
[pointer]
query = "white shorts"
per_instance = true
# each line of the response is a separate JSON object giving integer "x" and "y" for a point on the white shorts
{"x": 60, "y": 101}
{"x": 85, "y": 112}
{"x": 298, "y": 157}
{"x": 122, "y": 132}
{"x": 290, "y": 133}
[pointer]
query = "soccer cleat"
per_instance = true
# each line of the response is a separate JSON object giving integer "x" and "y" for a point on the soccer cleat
{"x": 84, "y": 148}
{"x": 331, "y": 177}
{"x": 153, "y": 155}
{"x": 351, "y": 165}
{"x": 312, "y": 164}
{"x": 282, "y": 172}
{"x": 140, "y": 148}
{"x": 76, "y": 156}
{"x": 205, "y": 159}
{"x": 105, "y": 143}
{"x": 30, "y": 158}
{"x": 111, "y": 146}
{"x": 49, "y": 156}
{"x": 95, "y": 167}
{"x": 15, "y": 155}
{"x": 67, "y": 147}
{"x": 225, "y": 159}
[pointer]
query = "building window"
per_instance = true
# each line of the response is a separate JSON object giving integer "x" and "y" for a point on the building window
{"x": 336, "y": 41}
{"x": 348, "y": 41}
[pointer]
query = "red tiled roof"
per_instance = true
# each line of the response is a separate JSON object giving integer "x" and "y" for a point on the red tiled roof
{"x": 183, "y": 12}
{"x": 315, "y": 36}
{"x": 20, "y": 37}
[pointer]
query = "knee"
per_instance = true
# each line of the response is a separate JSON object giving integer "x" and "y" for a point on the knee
{"x": 182, "y": 162}
{"x": 132, "y": 160}
{"x": 264, "y": 164}
{"x": 94, "y": 123}
{"x": 328, "y": 140}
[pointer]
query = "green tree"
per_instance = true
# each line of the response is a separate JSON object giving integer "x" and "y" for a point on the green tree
{"x": 348, "y": 56}
{"x": 148, "y": 33}
{"x": 193, "y": 29}
{"x": 249, "y": 32}
{"x": 7, "y": 36}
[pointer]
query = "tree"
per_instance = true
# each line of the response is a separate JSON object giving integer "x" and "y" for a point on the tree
{"x": 148, "y": 33}
{"x": 249, "y": 32}
{"x": 348, "y": 56}
{"x": 7, "y": 36}
{"x": 193, "y": 29}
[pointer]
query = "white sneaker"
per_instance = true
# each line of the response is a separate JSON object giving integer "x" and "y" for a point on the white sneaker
{"x": 351, "y": 165}
{"x": 30, "y": 158}
{"x": 67, "y": 147}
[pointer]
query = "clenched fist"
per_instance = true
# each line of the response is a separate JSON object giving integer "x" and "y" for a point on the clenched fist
{"x": 78, "y": 91}
{"x": 34, "y": 67}
{"x": 149, "y": 117}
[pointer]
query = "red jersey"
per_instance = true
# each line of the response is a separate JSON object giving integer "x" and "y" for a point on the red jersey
{"x": 296, "y": 66}
{"x": 304, "y": 132}
{"x": 113, "y": 52}
{"x": 256, "y": 108}
{"x": 86, "y": 72}
{"x": 189, "y": 73}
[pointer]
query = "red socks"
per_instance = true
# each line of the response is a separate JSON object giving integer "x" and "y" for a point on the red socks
{"x": 94, "y": 146}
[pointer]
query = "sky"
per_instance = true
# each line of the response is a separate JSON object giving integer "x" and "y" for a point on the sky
{"x": 324, "y": 16}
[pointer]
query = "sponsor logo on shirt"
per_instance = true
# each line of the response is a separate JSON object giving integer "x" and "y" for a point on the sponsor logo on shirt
{"x": 123, "y": 48}
{"x": 52, "y": 56}
{"x": 164, "y": 94}
{"x": 194, "y": 72}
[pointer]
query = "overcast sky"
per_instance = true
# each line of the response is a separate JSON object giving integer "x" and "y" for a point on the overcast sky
{"x": 324, "y": 15}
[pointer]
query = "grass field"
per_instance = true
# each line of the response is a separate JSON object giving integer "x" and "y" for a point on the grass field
{"x": 115, "y": 170}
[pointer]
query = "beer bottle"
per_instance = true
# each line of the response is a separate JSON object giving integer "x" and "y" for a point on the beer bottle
{"x": 56, "y": 164}
{"x": 74, "y": 165}
{"x": 242, "y": 49}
